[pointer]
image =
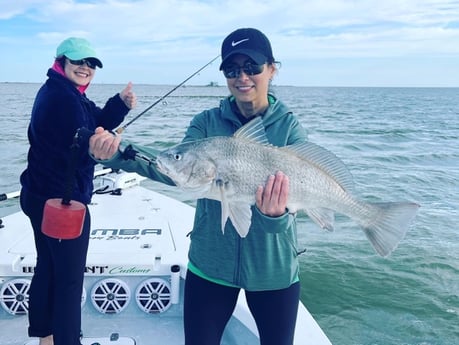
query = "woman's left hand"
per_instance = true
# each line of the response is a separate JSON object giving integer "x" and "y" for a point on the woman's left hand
{"x": 272, "y": 199}
{"x": 128, "y": 96}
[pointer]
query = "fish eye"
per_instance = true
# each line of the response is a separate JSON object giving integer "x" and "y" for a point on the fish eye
{"x": 177, "y": 156}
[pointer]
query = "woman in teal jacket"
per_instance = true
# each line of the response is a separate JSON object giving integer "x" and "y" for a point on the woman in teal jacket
{"x": 265, "y": 262}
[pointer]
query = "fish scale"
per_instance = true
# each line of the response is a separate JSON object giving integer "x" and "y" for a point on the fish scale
{"x": 230, "y": 169}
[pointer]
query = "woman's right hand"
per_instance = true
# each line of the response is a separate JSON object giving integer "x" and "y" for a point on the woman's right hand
{"x": 272, "y": 198}
{"x": 104, "y": 144}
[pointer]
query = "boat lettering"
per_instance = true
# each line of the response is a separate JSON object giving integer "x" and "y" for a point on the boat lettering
{"x": 125, "y": 232}
{"x": 116, "y": 270}
{"x": 28, "y": 269}
{"x": 130, "y": 270}
{"x": 95, "y": 269}
{"x": 88, "y": 269}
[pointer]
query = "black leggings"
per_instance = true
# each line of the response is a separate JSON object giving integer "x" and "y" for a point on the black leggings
{"x": 57, "y": 283}
{"x": 209, "y": 306}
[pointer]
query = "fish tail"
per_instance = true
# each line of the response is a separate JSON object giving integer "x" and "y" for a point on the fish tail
{"x": 389, "y": 225}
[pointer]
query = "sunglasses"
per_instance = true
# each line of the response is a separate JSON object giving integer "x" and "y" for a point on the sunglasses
{"x": 234, "y": 71}
{"x": 81, "y": 62}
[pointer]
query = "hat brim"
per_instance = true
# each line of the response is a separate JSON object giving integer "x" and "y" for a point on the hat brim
{"x": 259, "y": 58}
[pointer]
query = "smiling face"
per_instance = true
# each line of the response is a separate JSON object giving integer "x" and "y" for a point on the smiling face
{"x": 250, "y": 91}
{"x": 79, "y": 75}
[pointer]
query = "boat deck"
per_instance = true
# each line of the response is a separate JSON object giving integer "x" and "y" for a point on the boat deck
{"x": 135, "y": 273}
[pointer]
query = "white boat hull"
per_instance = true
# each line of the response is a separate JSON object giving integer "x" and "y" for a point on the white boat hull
{"x": 135, "y": 273}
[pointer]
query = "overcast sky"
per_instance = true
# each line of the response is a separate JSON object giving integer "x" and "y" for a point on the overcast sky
{"x": 318, "y": 42}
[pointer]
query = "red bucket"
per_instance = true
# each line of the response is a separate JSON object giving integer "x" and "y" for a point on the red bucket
{"x": 63, "y": 221}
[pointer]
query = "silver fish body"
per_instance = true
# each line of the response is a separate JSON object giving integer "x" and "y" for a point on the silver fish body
{"x": 230, "y": 169}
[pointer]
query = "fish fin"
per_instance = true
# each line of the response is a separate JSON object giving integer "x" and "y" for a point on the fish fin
{"x": 224, "y": 203}
{"x": 324, "y": 160}
{"x": 390, "y": 225}
{"x": 225, "y": 215}
{"x": 253, "y": 131}
{"x": 241, "y": 217}
{"x": 239, "y": 214}
{"x": 323, "y": 217}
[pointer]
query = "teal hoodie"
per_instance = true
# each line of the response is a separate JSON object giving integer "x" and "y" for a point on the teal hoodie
{"x": 267, "y": 259}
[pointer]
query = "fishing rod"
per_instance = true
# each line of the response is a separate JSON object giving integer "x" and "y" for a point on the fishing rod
{"x": 12, "y": 195}
{"x": 122, "y": 128}
{"x": 6, "y": 196}
{"x": 85, "y": 133}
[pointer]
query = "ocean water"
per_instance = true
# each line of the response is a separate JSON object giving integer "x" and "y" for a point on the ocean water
{"x": 400, "y": 144}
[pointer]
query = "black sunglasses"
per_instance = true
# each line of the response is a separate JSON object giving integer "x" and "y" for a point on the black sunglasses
{"x": 234, "y": 71}
{"x": 81, "y": 62}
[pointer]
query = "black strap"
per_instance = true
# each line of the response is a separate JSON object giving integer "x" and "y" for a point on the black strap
{"x": 71, "y": 171}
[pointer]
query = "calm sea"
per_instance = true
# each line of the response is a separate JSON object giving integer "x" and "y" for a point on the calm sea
{"x": 399, "y": 143}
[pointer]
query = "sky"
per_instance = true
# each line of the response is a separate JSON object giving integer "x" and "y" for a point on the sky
{"x": 388, "y": 43}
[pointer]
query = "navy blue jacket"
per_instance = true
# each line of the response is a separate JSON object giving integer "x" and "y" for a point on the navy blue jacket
{"x": 58, "y": 112}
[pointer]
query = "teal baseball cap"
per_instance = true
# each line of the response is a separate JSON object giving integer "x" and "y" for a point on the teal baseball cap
{"x": 75, "y": 48}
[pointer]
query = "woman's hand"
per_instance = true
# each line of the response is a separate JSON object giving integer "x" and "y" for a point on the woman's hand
{"x": 128, "y": 96}
{"x": 272, "y": 199}
{"x": 103, "y": 144}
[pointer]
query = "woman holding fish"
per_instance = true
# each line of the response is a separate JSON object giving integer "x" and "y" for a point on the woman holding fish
{"x": 233, "y": 246}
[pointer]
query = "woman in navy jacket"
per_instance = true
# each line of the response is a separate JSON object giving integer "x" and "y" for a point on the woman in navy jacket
{"x": 60, "y": 108}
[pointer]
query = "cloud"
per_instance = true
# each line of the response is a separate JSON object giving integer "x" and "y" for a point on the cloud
{"x": 146, "y": 34}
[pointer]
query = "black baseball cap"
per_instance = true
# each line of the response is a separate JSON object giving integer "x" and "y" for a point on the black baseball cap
{"x": 247, "y": 41}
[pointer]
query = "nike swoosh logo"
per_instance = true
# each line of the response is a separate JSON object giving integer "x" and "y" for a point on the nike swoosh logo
{"x": 234, "y": 44}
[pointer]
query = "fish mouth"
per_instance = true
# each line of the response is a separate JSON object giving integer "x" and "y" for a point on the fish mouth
{"x": 161, "y": 168}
